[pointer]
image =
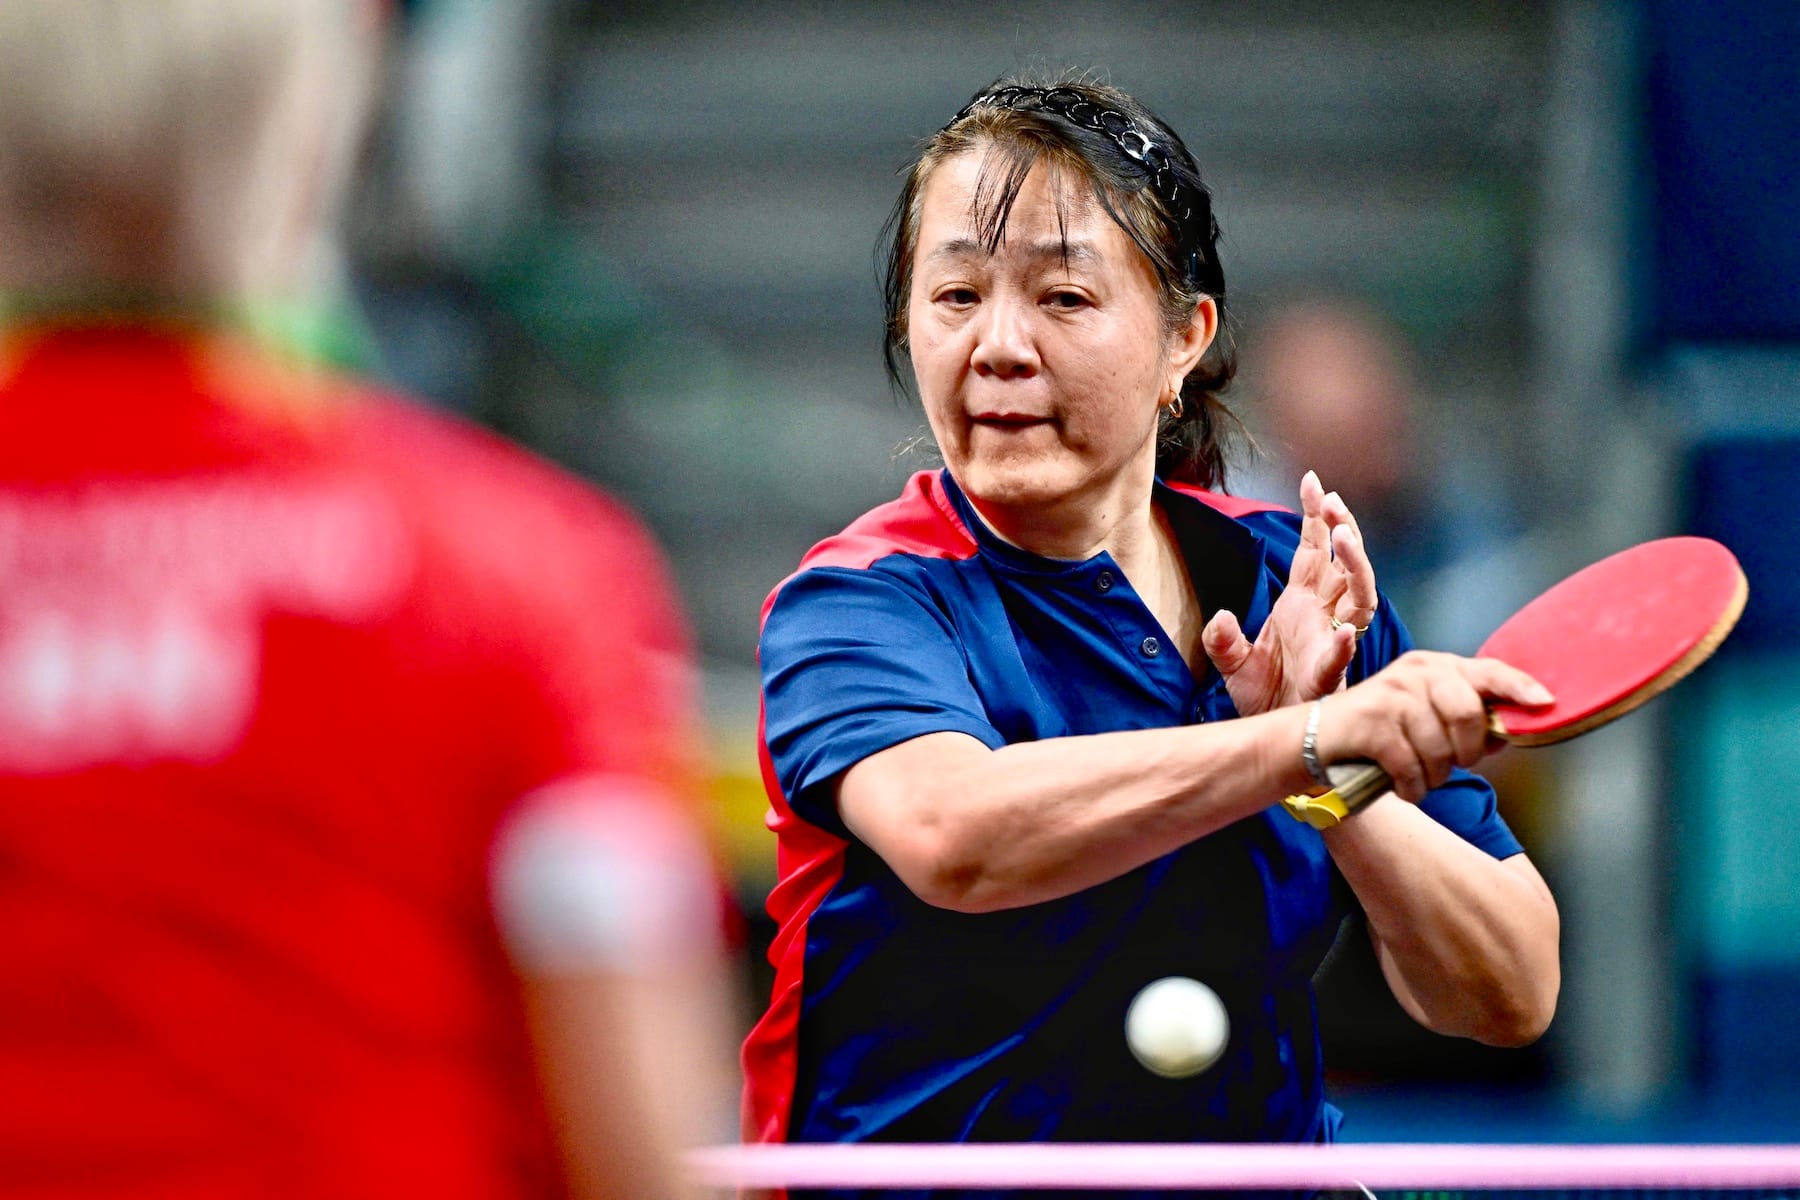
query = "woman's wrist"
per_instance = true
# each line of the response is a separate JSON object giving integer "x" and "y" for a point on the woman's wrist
{"x": 1284, "y": 731}
{"x": 1309, "y": 744}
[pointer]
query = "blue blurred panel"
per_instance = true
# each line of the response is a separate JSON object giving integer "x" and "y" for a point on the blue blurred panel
{"x": 1723, "y": 125}
{"x": 1735, "y": 728}
{"x": 1735, "y": 747}
{"x": 1735, "y": 733}
{"x": 1739, "y": 492}
{"x": 1749, "y": 1043}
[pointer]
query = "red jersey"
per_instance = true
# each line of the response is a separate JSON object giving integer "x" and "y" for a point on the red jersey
{"x": 277, "y": 657}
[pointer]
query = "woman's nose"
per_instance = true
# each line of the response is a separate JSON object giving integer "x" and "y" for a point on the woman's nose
{"x": 1003, "y": 343}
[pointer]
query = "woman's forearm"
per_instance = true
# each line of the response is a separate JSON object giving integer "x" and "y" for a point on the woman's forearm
{"x": 1468, "y": 943}
{"x": 975, "y": 829}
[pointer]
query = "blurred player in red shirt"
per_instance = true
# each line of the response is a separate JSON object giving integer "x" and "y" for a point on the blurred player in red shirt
{"x": 345, "y": 842}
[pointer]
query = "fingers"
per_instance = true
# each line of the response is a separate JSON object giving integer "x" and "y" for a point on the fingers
{"x": 1330, "y": 586}
{"x": 1225, "y": 644}
{"x": 1331, "y": 560}
{"x": 1422, "y": 716}
{"x": 1352, "y": 560}
{"x": 1338, "y": 513}
{"x": 1419, "y": 753}
{"x": 1463, "y": 718}
{"x": 1498, "y": 681}
{"x": 1328, "y": 670}
{"x": 1366, "y": 723}
{"x": 1359, "y": 576}
{"x": 1313, "y": 555}
{"x": 1312, "y": 498}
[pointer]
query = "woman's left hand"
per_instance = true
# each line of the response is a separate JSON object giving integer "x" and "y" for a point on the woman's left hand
{"x": 1307, "y": 643}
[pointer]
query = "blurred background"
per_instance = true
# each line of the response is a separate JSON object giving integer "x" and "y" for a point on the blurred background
{"x": 1519, "y": 279}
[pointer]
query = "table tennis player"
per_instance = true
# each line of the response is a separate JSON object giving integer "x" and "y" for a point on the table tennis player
{"x": 1027, "y": 725}
{"x": 344, "y": 751}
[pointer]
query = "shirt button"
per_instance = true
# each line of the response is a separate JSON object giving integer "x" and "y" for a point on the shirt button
{"x": 1103, "y": 581}
{"x": 1151, "y": 647}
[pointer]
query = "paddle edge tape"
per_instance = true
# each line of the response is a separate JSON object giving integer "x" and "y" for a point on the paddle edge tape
{"x": 1674, "y": 673}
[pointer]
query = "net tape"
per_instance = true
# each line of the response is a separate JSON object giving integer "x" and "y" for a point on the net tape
{"x": 1397, "y": 1165}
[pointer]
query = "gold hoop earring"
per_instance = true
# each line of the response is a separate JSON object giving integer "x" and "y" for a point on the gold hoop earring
{"x": 1176, "y": 407}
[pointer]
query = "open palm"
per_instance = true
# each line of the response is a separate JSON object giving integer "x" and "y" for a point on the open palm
{"x": 1305, "y": 646}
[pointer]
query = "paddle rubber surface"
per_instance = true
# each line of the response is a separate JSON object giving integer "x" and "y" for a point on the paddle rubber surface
{"x": 1617, "y": 633}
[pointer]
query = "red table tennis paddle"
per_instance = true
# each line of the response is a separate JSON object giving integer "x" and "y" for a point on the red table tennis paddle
{"x": 1604, "y": 640}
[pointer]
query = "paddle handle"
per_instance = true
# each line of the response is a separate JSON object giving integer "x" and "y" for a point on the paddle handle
{"x": 1353, "y": 784}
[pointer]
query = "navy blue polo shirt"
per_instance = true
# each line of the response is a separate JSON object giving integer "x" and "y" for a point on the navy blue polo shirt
{"x": 893, "y": 1020}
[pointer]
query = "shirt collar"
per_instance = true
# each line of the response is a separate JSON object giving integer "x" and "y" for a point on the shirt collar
{"x": 1224, "y": 558}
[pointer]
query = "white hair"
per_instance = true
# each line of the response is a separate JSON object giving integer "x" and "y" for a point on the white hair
{"x": 194, "y": 148}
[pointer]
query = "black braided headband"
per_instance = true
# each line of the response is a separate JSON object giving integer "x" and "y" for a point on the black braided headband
{"x": 1131, "y": 141}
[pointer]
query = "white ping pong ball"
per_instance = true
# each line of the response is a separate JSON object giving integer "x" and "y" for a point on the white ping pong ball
{"x": 1177, "y": 1027}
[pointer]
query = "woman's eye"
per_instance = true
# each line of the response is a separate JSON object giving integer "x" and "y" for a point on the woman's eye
{"x": 957, "y": 296}
{"x": 1068, "y": 300}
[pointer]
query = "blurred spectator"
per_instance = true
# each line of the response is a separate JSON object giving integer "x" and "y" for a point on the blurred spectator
{"x": 345, "y": 752}
{"x": 1335, "y": 392}
{"x": 1331, "y": 385}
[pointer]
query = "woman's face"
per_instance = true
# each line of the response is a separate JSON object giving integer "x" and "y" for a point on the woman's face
{"x": 1041, "y": 365}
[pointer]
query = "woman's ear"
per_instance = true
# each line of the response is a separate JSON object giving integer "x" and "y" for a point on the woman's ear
{"x": 1191, "y": 341}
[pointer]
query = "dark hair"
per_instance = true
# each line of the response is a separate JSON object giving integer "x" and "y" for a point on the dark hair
{"x": 1147, "y": 182}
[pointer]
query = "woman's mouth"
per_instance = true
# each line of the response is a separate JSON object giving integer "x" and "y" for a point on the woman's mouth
{"x": 1008, "y": 421}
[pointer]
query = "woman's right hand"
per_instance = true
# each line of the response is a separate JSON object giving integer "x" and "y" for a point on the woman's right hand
{"x": 1423, "y": 714}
